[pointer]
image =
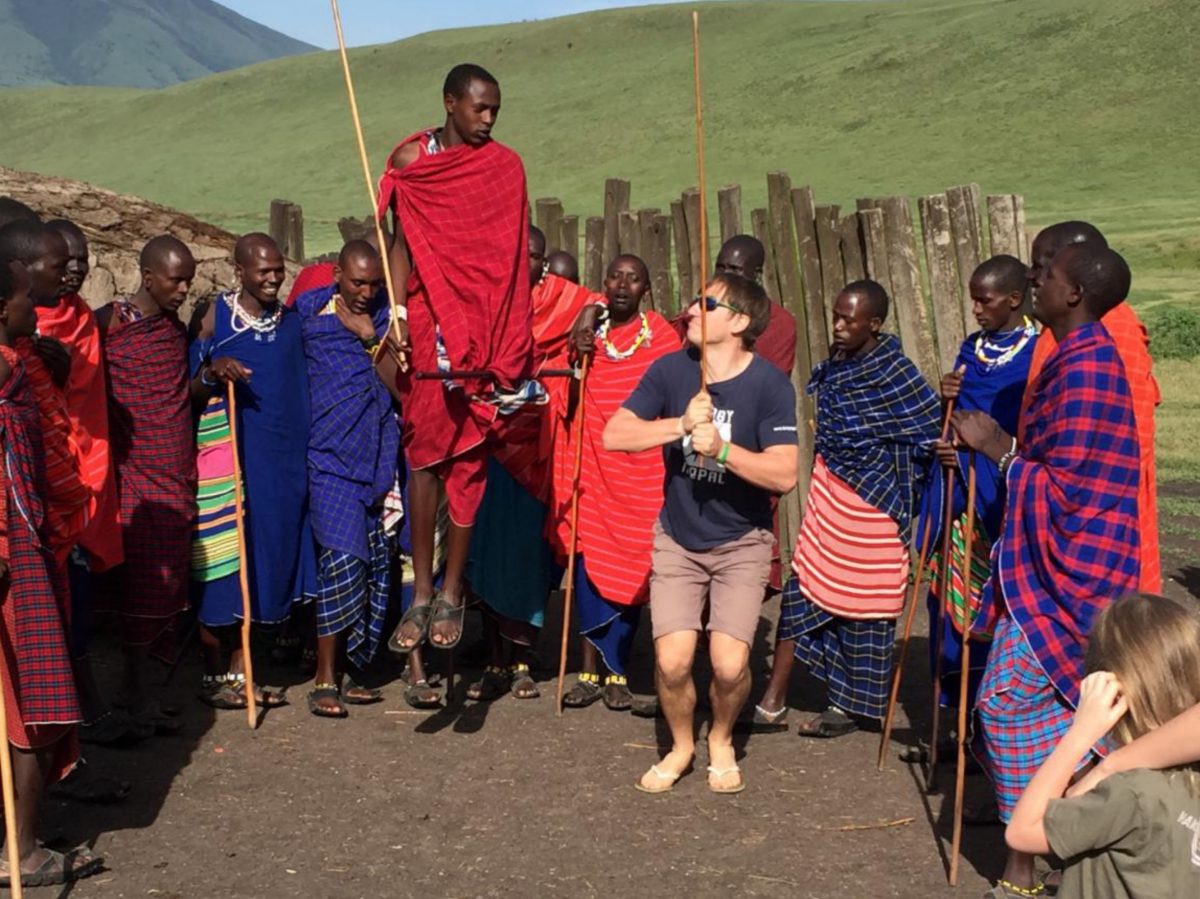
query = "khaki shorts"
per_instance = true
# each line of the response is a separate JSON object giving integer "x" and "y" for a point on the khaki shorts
{"x": 733, "y": 578}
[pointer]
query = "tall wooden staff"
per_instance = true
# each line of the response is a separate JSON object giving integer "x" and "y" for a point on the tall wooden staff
{"x": 243, "y": 559}
{"x": 10, "y": 801}
{"x": 960, "y": 770}
{"x": 939, "y": 637}
{"x": 395, "y": 310}
{"x": 898, "y": 673}
{"x": 569, "y": 593}
{"x": 703, "y": 201}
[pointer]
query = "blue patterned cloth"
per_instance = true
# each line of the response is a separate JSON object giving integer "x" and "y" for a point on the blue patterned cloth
{"x": 853, "y": 657}
{"x": 354, "y": 438}
{"x": 876, "y": 421}
{"x": 353, "y": 595}
{"x": 608, "y": 626}
{"x": 272, "y": 431}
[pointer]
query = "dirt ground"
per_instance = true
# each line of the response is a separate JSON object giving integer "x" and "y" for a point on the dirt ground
{"x": 508, "y": 800}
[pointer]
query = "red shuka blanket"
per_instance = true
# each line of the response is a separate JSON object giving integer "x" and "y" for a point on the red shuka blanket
{"x": 526, "y": 441}
{"x": 620, "y": 494}
{"x": 464, "y": 214}
{"x": 154, "y": 449}
{"x": 74, "y": 324}
{"x": 39, "y": 685}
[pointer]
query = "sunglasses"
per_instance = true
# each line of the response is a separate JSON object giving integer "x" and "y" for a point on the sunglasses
{"x": 712, "y": 303}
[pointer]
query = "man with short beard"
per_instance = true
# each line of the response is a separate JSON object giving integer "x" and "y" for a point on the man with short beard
{"x": 249, "y": 338}
{"x": 149, "y": 404}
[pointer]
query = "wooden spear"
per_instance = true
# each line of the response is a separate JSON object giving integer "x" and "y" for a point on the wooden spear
{"x": 569, "y": 592}
{"x": 960, "y": 770}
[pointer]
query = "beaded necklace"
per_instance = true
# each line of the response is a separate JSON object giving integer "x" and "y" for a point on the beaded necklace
{"x": 263, "y": 325}
{"x": 1005, "y": 354}
{"x": 620, "y": 355}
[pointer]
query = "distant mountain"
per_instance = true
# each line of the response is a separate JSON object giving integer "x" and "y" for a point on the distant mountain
{"x": 129, "y": 43}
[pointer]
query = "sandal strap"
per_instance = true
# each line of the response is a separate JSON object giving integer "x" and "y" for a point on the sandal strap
{"x": 1039, "y": 888}
{"x": 230, "y": 678}
{"x": 326, "y": 686}
{"x": 586, "y": 677}
{"x": 496, "y": 669}
{"x": 618, "y": 679}
{"x": 519, "y": 668}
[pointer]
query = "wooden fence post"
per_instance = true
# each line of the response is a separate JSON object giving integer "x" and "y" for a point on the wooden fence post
{"x": 907, "y": 298}
{"x": 815, "y": 311}
{"x": 683, "y": 253}
{"x": 627, "y": 235}
{"x": 656, "y": 244}
{"x": 1002, "y": 225}
{"x": 833, "y": 273}
{"x": 729, "y": 208}
{"x": 295, "y": 233}
{"x": 943, "y": 277}
{"x": 549, "y": 212}
{"x": 593, "y": 253}
{"x": 967, "y": 246}
{"x": 569, "y": 235}
{"x": 1022, "y": 236}
{"x": 760, "y": 225}
{"x": 616, "y": 201}
{"x": 853, "y": 259}
{"x": 875, "y": 243}
{"x": 691, "y": 214}
{"x": 277, "y": 224}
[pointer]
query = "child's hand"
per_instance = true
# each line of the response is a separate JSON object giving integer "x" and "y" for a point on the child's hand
{"x": 1101, "y": 706}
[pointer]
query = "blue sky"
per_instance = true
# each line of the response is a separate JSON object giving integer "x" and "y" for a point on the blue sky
{"x": 380, "y": 21}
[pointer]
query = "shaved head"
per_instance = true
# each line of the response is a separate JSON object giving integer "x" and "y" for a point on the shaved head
{"x": 1006, "y": 273}
{"x": 13, "y": 210}
{"x": 632, "y": 260}
{"x": 563, "y": 264}
{"x": 742, "y": 255}
{"x": 66, "y": 228}
{"x": 1052, "y": 239}
{"x": 159, "y": 252}
{"x": 253, "y": 244}
{"x": 21, "y": 239}
{"x": 357, "y": 251}
{"x": 537, "y": 238}
{"x": 871, "y": 293}
{"x": 1101, "y": 273}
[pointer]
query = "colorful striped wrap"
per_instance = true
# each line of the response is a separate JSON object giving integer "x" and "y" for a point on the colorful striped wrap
{"x": 214, "y": 541}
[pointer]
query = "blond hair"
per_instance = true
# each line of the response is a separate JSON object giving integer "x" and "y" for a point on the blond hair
{"x": 1152, "y": 645}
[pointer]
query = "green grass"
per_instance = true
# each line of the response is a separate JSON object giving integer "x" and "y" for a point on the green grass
{"x": 1175, "y": 442}
{"x": 1077, "y": 106}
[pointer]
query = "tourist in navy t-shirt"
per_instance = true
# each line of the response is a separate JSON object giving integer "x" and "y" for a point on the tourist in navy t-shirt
{"x": 727, "y": 449}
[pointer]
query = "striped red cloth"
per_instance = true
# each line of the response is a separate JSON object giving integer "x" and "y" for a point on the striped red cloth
{"x": 464, "y": 214}
{"x": 155, "y": 453}
{"x": 1133, "y": 347}
{"x": 67, "y": 497}
{"x": 620, "y": 494}
{"x": 39, "y": 685}
{"x": 74, "y": 324}
{"x": 525, "y": 441}
{"x": 848, "y": 559}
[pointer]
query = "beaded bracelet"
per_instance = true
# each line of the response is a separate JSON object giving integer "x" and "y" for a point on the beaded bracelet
{"x": 1006, "y": 459}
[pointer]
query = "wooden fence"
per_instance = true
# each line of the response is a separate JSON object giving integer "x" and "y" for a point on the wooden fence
{"x": 923, "y": 260}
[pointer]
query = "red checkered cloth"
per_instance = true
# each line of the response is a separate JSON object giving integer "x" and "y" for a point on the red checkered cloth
{"x": 620, "y": 494}
{"x": 1070, "y": 540}
{"x": 74, "y": 324}
{"x": 155, "y": 453}
{"x": 525, "y": 441}
{"x": 67, "y": 497}
{"x": 1133, "y": 346}
{"x": 319, "y": 274}
{"x": 39, "y": 685}
{"x": 464, "y": 215}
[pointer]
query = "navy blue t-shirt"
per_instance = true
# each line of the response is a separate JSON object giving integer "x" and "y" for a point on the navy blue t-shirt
{"x": 704, "y": 505}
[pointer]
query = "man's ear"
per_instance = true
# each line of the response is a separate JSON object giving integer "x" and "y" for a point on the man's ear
{"x": 337, "y": 273}
{"x": 876, "y": 324}
{"x": 1076, "y": 296}
{"x": 448, "y": 101}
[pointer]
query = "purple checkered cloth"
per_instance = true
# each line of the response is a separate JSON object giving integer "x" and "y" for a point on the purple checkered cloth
{"x": 354, "y": 437}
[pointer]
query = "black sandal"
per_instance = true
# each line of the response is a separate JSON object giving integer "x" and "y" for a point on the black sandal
{"x": 418, "y": 614}
{"x": 326, "y": 691}
{"x": 585, "y": 691}
{"x": 617, "y": 697}
{"x": 227, "y": 692}
{"x": 523, "y": 684}
{"x": 829, "y": 725}
{"x": 494, "y": 684}
{"x": 354, "y": 693}
{"x": 444, "y": 610}
{"x": 58, "y": 868}
{"x": 422, "y": 695}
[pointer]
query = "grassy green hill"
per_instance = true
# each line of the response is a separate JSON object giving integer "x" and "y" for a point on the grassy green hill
{"x": 1076, "y": 105}
{"x": 135, "y": 43}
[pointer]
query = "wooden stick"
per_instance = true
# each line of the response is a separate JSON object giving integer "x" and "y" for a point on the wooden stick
{"x": 943, "y": 593}
{"x": 960, "y": 771}
{"x": 10, "y": 801}
{"x": 703, "y": 201}
{"x": 569, "y": 593}
{"x": 243, "y": 558}
{"x": 366, "y": 167}
{"x": 898, "y": 671}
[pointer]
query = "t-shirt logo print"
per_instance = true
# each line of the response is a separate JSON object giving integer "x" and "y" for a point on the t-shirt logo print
{"x": 702, "y": 468}
{"x": 1192, "y": 824}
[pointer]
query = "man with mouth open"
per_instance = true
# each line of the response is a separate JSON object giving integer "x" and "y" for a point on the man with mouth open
{"x": 248, "y": 337}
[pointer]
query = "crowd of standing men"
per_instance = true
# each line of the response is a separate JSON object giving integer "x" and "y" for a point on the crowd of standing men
{"x": 441, "y": 426}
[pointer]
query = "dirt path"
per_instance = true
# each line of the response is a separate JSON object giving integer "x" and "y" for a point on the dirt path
{"x": 507, "y": 800}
